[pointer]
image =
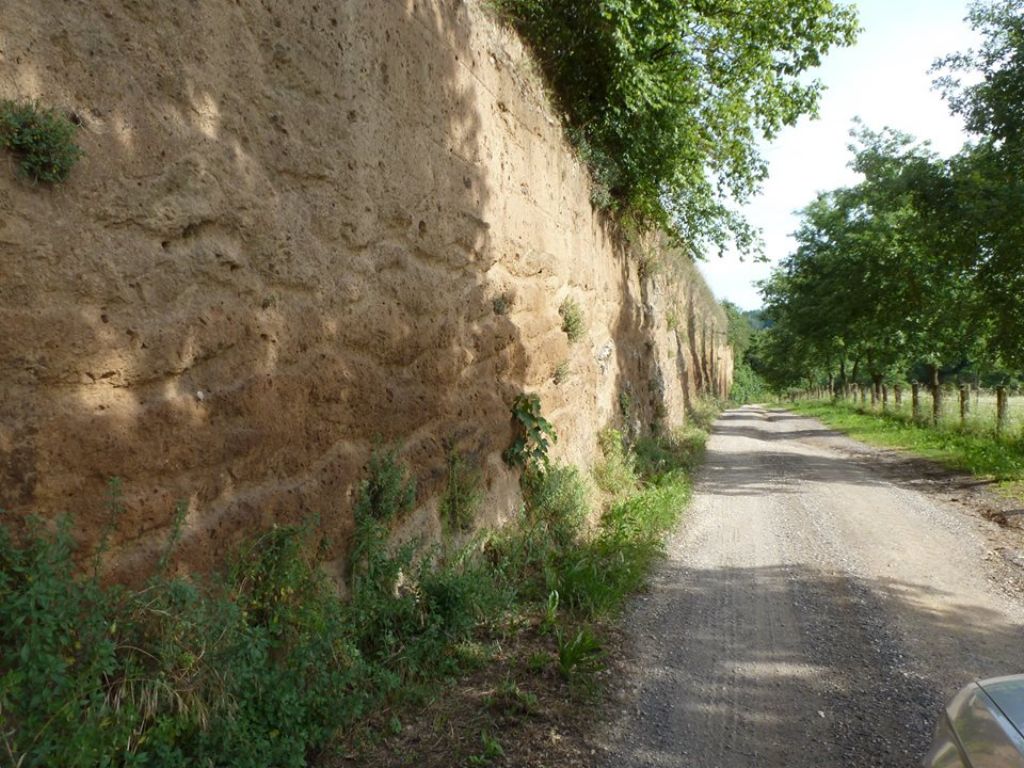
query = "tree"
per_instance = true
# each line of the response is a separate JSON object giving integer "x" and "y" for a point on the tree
{"x": 666, "y": 99}
{"x": 992, "y": 106}
{"x": 982, "y": 192}
{"x": 747, "y": 385}
{"x": 921, "y": 264}
{"x": 871, "y": 286}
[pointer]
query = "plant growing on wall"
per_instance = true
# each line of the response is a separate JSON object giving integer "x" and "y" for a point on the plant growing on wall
{"x": 561, "y": 372}
{"x": 534, "y": 435}
{"x": 41, "y": 139}
{"x": 572, "y": 320}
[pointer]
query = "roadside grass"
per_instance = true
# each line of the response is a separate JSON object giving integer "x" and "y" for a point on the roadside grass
{"x": 266, "y": 665}
{"x": 981, "y": 453}
{"x": 541, "y": 667}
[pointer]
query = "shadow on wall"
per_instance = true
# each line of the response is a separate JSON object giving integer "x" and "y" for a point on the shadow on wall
{"x": 830, "y": 688}
{"x": 679, "y": 310}
{"x": 632, "y": 331}
{"x": 270, "y": 257}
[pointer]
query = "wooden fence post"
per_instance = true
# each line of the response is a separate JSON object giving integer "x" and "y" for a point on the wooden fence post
{"x": 897, "y": 392}
{"x": 863, "y": 396}
{"x": 965, "y": 404}
{"x": 1001, "y": 410}
{"x": 885, "y": 397}
{"x": 915, "y": 399}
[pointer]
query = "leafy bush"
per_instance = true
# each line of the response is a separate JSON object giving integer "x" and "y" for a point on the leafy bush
{"x": 551, "y": 557}
{"x": 284, "y": 673}
{"x": 388, "y": 491}
{"x": 460, "y": 595}
{"x": 625, "y": 404}
{"x": 572, "y": 320}
{"x": 42, "y": 139}
{"x": 254, "y": 673}
{"x": 680, "y": 449}
{"x": 527, "y": 556}
{"x": 747, "y": 385}
{"x": 171, "y": 674}
{"x": 406, "y": 610}
{"x": 594, "y": 579}
{"x": 534, "y": 436}
{"x": 666, "y": 101}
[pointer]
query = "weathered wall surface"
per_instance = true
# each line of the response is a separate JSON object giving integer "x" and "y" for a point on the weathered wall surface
{"x": 300, "y": 229}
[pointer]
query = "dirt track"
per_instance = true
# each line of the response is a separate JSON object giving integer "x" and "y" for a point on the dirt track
{"x": 814, "y": 610}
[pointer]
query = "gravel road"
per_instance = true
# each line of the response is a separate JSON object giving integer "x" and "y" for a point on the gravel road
{"x": 814, "y": 611}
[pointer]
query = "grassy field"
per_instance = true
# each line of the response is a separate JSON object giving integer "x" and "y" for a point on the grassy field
{"x": 980, "y": 417}
{"x": 974, "y": 447}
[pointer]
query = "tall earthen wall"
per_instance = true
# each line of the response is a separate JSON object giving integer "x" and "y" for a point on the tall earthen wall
{"x": 300, "y": 230}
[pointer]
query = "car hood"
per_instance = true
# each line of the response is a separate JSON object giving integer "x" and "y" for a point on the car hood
{"x": 1007, "y": 693}
{"x": 976, "y": 732}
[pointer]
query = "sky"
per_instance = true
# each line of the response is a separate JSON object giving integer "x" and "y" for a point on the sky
{"x": 884, "y": 80}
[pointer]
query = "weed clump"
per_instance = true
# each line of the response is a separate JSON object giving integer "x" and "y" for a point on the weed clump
{"x": 43, "y": 140}
{"x": 462, "y": 494}
{"x": 573, "y": 324}
{"x": 557, "y": 501}
{"x": 616, "y": 473}
{"x": 702, "y": 413}
{"x": 561, "y": 373}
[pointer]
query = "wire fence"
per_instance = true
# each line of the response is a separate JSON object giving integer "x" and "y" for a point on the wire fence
{"x": 985, "y": 411}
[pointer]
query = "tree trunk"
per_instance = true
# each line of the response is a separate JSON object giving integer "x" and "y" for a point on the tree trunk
{"x": 876, "y": 389}
{"x": 936, "y": 394}
{"x": 1001, "y": 414}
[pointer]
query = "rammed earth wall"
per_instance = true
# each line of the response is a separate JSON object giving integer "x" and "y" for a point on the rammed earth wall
{"x": 299, "y": 230}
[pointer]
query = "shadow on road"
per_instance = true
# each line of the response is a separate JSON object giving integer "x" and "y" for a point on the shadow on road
{"x": 759, "y": 472}
{"x": 792, "y": 666}
{"x": 761, "y": 434}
